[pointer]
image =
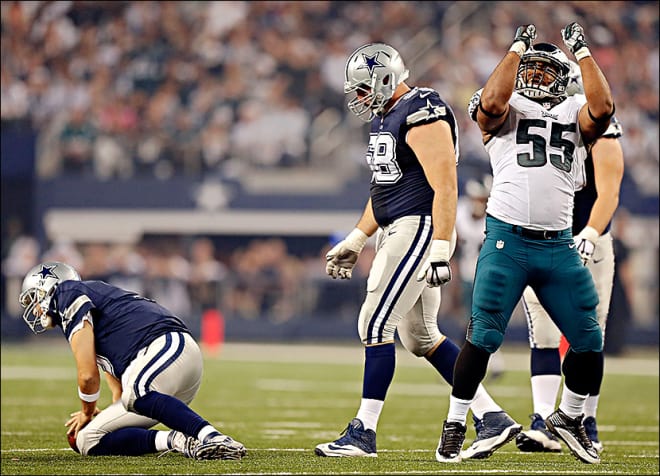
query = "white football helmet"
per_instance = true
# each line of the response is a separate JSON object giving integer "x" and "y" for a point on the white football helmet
{"x": 373, "y": 72}
{"x": 38, "y": 288}
{"x": 543, "y": 73}
{"x": 574, "y": 85}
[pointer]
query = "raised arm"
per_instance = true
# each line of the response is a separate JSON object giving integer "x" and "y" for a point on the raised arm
{"x": 595, "y": 115}
{"x": 494, "y": 105}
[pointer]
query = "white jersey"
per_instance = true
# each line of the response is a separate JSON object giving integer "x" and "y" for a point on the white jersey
{"x": 535, "y": 165}
{"x": 470, "y": 231}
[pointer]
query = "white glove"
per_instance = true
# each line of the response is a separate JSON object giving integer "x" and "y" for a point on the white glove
{"x": 523, "y": 40}
{"x": 573, "y": 36}
{"x": 344, "y": 255}
{"x": 585, "y": 243}
{"x": 436, "y": 268}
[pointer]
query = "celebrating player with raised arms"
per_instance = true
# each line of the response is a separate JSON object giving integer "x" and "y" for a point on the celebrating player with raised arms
{"x": 531, "y": 130}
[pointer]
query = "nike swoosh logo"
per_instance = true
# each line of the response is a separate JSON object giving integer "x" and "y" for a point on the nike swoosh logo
{"x": 335, "y": 448}
{"x": 423, "y": 95}
{"x": 596, "y": 261}
{"x": 389, "y": 233}
{"x": 572, "y": 245}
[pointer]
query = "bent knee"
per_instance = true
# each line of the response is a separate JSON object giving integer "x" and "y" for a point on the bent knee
{"x": 485, "y": 338}
{"x": 87, "y": 439}
{"x": 591, "y": 341}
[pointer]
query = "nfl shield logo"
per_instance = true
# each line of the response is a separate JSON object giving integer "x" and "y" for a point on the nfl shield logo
{"x": 500, "y": 244}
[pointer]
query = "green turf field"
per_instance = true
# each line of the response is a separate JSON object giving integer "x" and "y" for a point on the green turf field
{"x": 280, "y": 401}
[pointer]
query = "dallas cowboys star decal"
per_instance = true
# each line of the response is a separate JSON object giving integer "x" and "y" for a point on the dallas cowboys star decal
{"x": 371, "y": 62}
{"x": 47, "y": 271}
{"x": 433, "y": 110}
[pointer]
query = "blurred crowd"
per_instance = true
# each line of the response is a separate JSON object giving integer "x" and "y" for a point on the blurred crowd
{"x": 119, "y": 89}
{"x": 260, "y": 280}
{"x": 159, "y": 89}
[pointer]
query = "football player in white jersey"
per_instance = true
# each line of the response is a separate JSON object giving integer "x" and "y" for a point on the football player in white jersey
{"x": 594, "y": 207}
{"x": 412, "y": 152}
{"x": 531, "y": 129}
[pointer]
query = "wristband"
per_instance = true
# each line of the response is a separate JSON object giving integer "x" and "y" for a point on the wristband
{"x": 518, "y": 47}
{"x": 589, "y": 233}
{"x": 582, "y": 53}
{"x": 356, "y": 240}
{"x": 89, "y": 397}
{"x": 439, "y": 250}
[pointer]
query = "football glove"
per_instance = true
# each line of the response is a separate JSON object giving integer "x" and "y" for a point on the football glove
{"x": 523, "y": 40}
{"x": 573, "y": 36}
{"x": 436, "y": 268}
{"x": 585, "y": 243}
{"x": 343, "y": 256}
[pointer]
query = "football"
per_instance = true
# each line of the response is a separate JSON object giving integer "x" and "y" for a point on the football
{"x": 72, "y": 443}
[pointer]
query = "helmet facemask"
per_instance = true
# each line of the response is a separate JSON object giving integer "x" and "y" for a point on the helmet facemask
{"x": 36, "y": 303}
{"x": 543, "y": 74}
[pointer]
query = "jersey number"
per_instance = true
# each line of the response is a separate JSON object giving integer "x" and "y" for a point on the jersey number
{"x": 538, "y": 158}
{"x": 381, "y": 158}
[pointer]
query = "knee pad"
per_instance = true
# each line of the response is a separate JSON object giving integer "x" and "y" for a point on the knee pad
{"x": 418, "y": 339}
{"x": 484, "y": 337}
{"x": 590, "y": 340}
{"x": 88, "y": 438}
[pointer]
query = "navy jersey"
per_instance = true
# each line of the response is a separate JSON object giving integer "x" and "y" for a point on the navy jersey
{"x": 398, "y": 184}
{"x": 124, "y": 322}
{"x": 585, "y": 197}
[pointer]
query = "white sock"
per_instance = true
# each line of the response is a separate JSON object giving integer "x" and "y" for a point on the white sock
{"x": 591, "y": 406}
{"x": 458, "y": 409}
{"x": 204, "y": 432}
{"x": 161, "y": 440}
{"x": 483, "y": 403}
{"x": 544, "y": 393}
{"x": 369, "y": 412}
{"x": 572, "y": 404}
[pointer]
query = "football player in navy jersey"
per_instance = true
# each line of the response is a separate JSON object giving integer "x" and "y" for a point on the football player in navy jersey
{"x": 153, "y": 367}
{"x": 594, "y": 207}
{"x": 412, "y": 153}
{"x": 531, "y": 130}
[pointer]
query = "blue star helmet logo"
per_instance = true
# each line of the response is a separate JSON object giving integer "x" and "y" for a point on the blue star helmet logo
{"x": 47, "y": 271}
{"x": 371, "y": 62}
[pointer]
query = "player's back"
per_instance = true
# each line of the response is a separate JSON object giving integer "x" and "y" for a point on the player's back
{"x": 124, "y": 322}
{"x": 532, "y": 157}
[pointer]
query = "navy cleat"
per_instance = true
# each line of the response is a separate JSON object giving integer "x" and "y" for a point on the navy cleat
{"x": 537, "y": 438}
{"x": 571, "y": 431}
{"x": 219, "y": 446}
{"x": 451, "y": 442}
{"x": 592, "y": 432}
{"x": 494, "y": 430}
{"x": 355, "y": 441}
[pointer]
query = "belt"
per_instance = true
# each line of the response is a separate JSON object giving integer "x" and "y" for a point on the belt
{"x": 536, "y": 234}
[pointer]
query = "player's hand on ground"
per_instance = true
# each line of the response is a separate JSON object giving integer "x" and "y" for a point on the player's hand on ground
{"x": 341, "y": 259}
{"x": 78, "y": 421}
{"x": 436, "y": 269}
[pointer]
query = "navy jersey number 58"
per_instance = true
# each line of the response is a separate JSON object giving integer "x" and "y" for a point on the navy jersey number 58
{"x": 381, "y": 157}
